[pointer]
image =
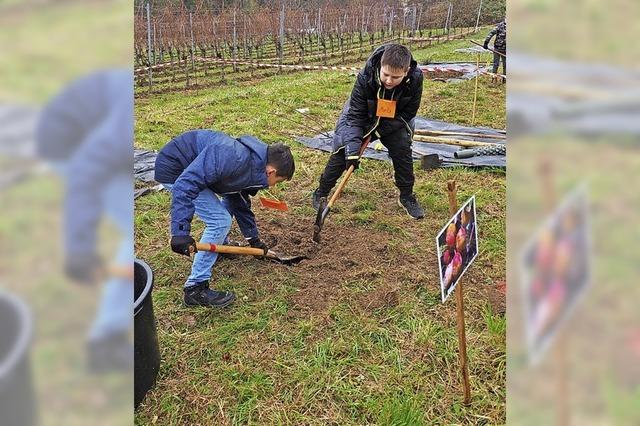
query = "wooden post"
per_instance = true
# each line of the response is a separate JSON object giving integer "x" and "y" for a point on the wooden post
{"x": 149, "y": 44}
{"x": 281, "y": 33}
{"x": 235, "y": 42}
{"x": 154, "y": 44}
{"x": 475, "y": 91}
{"x": 560, "y": 353}
{"x": 478, "y": 18}
{"x": 462, "y": 339}
{"x": 193, "y": 48}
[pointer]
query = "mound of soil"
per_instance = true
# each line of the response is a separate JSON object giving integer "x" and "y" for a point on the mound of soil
{"x": 383, "y": 297}
{"x": 440, "y": 74}
{"x": 365, "y": 266}
{"x": 497, "y": 294}
{"x": 334, "y": 268}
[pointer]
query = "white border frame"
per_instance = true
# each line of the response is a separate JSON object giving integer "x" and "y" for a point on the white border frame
{"x": 536, "y": 351}
{"x": 475, "y": 217}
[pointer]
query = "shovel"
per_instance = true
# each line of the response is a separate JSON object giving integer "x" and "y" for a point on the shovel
{"x": 325, "y": 207}
{"x": 250, "y": 251}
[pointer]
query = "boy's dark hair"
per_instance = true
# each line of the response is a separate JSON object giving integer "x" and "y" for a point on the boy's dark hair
{"x": 396, "y": 57}
{"x": 279, "y": 156}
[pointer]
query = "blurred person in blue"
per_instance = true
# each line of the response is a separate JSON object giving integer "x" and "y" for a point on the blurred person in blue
{"x": 499, "y": 45}
{"x": 86, "y": 134}
{"x": 212, "y": 174}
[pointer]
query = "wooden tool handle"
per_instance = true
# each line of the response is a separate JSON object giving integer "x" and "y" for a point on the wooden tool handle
{"x": 120, "y": 271}
{"x": 230, "y": 249}
{"x": 448, "y": 141}
{"x": 347, "y": 175}
{"x": 341, "y": 186}
{"x": 488, "y": 48}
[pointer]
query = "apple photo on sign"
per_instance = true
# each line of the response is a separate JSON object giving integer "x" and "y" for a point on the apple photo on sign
{"x": 457, "y": 246}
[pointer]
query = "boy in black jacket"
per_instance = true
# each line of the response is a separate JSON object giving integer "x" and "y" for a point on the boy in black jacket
{"x": 383, "y": 104}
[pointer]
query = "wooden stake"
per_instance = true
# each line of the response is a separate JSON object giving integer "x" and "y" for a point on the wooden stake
{"x": 560, "y": 353}
{"x": 462, "y": 339}
{"x": 475, "y": 91}
{"x": 426, "y": 132}
{"x": 447, "y": 141}
{"x": 488, "y": 48}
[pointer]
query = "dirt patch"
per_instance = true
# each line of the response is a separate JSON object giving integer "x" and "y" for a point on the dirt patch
{"x": 289, "y": 238}
{"x": 496, "y": 295}
{"x": 362, "y": 265}
{"x": 346, "y": 257}
{"x": 383, "y": 297}
{"x": 313, "y": 299}
{"x": 439, "y": 74}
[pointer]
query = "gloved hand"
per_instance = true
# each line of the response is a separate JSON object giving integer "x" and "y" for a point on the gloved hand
{"x": 256, "y": 242}
{"x": 181, "y": 244}
{"x": 352, "y": 160}
{"x": 486, "y": 45}
{"x": 83, "y": 268}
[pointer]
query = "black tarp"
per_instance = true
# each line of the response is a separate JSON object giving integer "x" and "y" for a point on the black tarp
{"x": 144, "y": 160}
{"x": 445, "y": 152}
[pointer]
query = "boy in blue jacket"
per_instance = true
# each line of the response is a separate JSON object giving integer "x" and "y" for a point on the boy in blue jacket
{"x": 212, "y": 174}
{"x": 85, "y": 133}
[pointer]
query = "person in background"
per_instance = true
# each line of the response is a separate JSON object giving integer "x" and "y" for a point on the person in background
{"x": 499, "y": 45}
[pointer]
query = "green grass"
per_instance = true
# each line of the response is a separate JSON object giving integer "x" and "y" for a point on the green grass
{"x": 62, "y": 311}
{"x": 47, "y": 45}
{"x": 598, "y": 31}
{"x": 354, "y": 360}
{"x": 444, "y": 52}
{"x": 602, "y": 383}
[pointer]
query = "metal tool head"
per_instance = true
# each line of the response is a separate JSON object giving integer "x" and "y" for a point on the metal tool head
{"x": 430, "y": 161}
{"x": 287, "y": 260}
{"x": 321, "y": 215}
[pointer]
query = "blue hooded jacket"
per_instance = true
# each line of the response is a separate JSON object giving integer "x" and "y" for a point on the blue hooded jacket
{"x": 88, "y": 129}
{"x": 207, "y": 159}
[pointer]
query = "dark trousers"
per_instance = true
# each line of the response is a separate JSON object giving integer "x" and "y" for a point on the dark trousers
{"x": 496, "y": 63}
{"x": 399, "y": 145}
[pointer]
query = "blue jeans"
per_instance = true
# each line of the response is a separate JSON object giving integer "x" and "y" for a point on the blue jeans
{"x": 217, "y": 222}
{"x": 115, "y": 310}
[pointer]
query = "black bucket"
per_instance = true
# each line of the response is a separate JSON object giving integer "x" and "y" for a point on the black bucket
{"x": 17, "y": 397}
{"x": 147, "y": 351}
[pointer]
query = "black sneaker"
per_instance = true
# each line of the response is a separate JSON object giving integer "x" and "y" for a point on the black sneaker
{"x": 201, "y": 295}
{"x": 111, "y": 353}
{"x": 411, "y": 206}
{"x": 317, "y": 197}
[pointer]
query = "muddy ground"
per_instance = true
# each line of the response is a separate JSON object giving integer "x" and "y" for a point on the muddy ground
{"x": 366, "y": 268}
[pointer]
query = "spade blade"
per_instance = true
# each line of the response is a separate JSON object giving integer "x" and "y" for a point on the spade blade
{"x": 320, "y": 216}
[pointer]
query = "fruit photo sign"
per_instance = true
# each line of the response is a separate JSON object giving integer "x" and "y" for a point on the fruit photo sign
{"x": 457, "y": 246}
{"x": 555, "y": 272}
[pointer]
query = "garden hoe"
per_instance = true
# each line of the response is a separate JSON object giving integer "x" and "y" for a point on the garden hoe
{"x": 250, "y": 251}
{"x": 325, "y": 207}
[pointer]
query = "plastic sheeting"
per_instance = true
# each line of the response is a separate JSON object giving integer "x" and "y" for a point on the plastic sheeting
{"x": 17, "y": 125}
{"x": 144, "y": 160}
{"x": 445, "y": 152}
{"x": 143, "y": 171}
{"x": 143, "y": 165}
{"x": 467, "y": 71}
{"x": 588, "y": 99}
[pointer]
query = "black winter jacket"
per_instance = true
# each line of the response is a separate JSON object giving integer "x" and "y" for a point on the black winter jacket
{"x": 358, "y": 118}
{"x": 500, "y": 31}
